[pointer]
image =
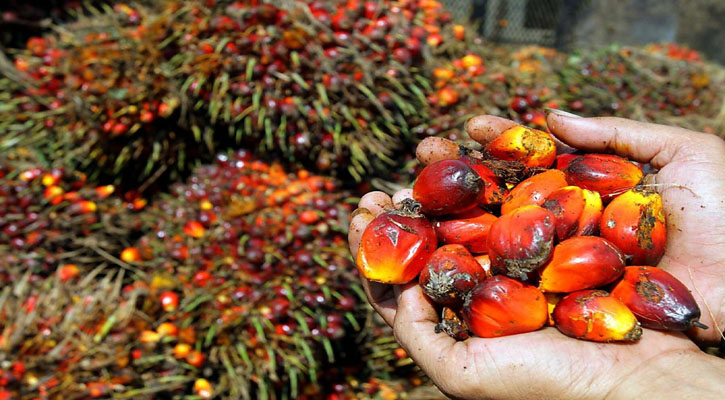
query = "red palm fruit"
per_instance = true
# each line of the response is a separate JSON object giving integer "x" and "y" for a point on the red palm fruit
{"x": 447, "y": 186}
{"x": 520, "y": 242}
{"x": 577, "y": 211}
{"x": 469, "y": 229}
{"x": 195, "y": 358}
{"x": 597, "y": 316}
{"x": 169, "y": 301}
{"x": 104, "y": 191}
{"x": 396, "y": 245}
{"x": 531, "y": 147}
{"x": 452, "y": 325}
{"x": 563, "y": 160}
{"x": 534, "y": 191}
{"x": 582, "y": 262}
{"x": 450, "y": 273}
{"x": 501, "y": 306}
{"x": 485, "y": 262}
{"x": 493, "y": 186}
{"x": 635, "y": 223}
{"x": 658, "y": 299}
{"x": 607, "y": 174}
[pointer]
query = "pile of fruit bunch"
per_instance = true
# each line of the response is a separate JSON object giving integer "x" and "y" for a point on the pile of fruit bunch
{"x": 250, "y": 290}
{"x": 337, "y": 86}
{"x": 633, "y": 83}
{"x": 99, "y": 99}
{"x": 53, "y": 222}
{"x": 524, "y": 245}
{"x": 334, "y": 84}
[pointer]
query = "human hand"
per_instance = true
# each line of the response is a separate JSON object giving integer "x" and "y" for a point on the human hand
{"x": 546, "y": 364}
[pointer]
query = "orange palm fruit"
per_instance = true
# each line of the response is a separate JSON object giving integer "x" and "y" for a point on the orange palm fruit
{"x": 194, "y": 229}
{"x": 577, "y": 211}
{"x": 104, "y": 191}
{"x": 531, "y": 147}
{"x": 459, "y": 32}
{"x": 130, "y": 255}
{"x": 450, "y": 273}
{"x": 67, "y": 272}
{"x": 444, "y": 74}
{"x": 448, "y": 186}
{"x": 658, "y": 299}
{"x": 452, "y": 324}
{"x": 203, "y": 389}
{"x": 471, "y": 60}
{"x": 534, "y": 190}
{"x": 582, "y": 262}
{"x": 447, "y": 97}
{"x": 396, "y": 245}
{"x": 195, "y": 358}
{"x": 169, "y": 301}
{"x": 501, "y": 306}
{"x": 604, "y": 173}
{"x": 494, "y": 187}
{"x": 181, "y": 350}
{"x": 520, "y": 242}
{"x": 485, "y": 262}
{"x": 167, "y": 329}
{"x": 635, "y": 222}
{"x": 469, "y": 229}
{"x": 597, "y": 316}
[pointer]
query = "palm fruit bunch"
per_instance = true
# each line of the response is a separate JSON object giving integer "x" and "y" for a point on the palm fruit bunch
{"x": 642, "y": 84}
{"x": 513, "y": 238}
{"x": 53, "y": 222}
{"x": 99, "y": 99}
{"x": 250, "y": 289}
{"x": 333, "y": 84}
{"x": 142, "y": 92}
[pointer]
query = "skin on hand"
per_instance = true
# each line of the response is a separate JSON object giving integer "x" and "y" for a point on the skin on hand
{"x": 546, "y": 364}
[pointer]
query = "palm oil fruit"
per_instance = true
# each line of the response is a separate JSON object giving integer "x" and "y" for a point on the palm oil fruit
{"x": 396, "y": 245}
{"x": 485, "y": 262}
{"x": 494, "y": 187}
{"x": 534, "y": 190}
{"x": 450, "y": 273}
{"x": 452, "y": 325}
{"x": 577, "y": 211}
{"x": 469, "y": 229}
{"x": 501, "y": 306}
{"x": 609, "y": 175}
{"x": 597, "y": 316}
{"x": 448, "y": 186}
{"x": 520, "y": 242}
{"x": 658, "y": 299}
{"x": 531, "y": 147}
{"x": 635, "y": 222}
{"x": 582, "y": 262}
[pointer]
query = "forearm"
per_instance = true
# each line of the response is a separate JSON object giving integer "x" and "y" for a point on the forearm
{"x": 675, "y": 375}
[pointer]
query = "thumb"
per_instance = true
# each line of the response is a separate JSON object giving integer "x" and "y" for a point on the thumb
{"x": 638, "y": 141}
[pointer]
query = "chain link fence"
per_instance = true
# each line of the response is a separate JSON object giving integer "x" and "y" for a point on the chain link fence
{"x": 540, "y": 22}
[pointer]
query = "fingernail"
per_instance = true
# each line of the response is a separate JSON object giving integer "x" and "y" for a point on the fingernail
{"x": 561, "y": 112}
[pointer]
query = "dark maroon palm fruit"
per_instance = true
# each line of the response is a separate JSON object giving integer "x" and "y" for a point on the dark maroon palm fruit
{"x": 448, "y": 186}
{"x": 658, "y": 299}
{"x": 450, "y": 273}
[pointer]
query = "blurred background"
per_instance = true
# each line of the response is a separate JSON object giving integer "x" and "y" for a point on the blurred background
{"x": 177, "y": 176}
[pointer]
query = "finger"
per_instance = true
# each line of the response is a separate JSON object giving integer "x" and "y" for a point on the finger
{"x": 414, "y": 329}
{"x": 485, "y": 128}
{"x": 639, "y": 141}
{"x": 434, "y": 149}
{"x": 401, "y": 195}
{"x": 360, "y": 220}
{"x": 376, "y": 202}
{"x": 383, "y": 299}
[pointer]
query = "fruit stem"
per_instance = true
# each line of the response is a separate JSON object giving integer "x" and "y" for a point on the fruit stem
{"x": 410, "y": 206}
{"x": 700, "y": 325}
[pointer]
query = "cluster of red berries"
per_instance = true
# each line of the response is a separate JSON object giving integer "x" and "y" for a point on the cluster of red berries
{"x": 546, "y": 247}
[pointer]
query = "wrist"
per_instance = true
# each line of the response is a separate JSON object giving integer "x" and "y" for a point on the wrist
{"x": 674, "y": 375}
